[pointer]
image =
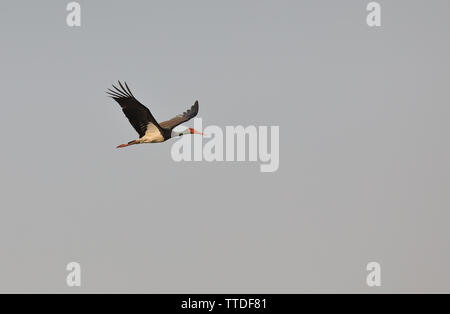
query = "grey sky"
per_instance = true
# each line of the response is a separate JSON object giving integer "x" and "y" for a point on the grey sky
{"x": 364, "y": 157}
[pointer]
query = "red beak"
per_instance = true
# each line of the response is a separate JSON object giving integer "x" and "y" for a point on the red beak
{"x": 195, "y": 132}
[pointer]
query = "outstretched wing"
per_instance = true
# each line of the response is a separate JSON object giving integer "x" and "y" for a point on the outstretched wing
{"x": 139, "y": 116}
{"x": 186, "y": 116}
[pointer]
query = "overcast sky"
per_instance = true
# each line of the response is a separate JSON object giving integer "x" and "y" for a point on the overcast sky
{"x": 364, "y": 157}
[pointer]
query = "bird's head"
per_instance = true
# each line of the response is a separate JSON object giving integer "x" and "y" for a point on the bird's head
{"x": 187, "y": 131}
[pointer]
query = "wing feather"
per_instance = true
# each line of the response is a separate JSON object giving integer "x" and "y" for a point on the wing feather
{"x": 139, "y": 116}
{"x": 185, "y": 116}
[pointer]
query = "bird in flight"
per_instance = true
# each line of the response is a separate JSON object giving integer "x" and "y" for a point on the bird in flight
{"x": 142, "y": 120}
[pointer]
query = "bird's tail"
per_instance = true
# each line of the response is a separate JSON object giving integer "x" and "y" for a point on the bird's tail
{"x": 129, "y": 143}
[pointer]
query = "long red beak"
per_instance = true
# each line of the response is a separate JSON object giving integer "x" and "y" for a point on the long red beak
{"x": 196, "y": 132}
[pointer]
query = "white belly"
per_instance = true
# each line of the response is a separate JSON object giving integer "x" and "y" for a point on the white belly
{"x": 153, "y": 135}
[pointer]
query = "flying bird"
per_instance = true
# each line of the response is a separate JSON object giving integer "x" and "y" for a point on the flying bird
{"x": 142, "y": 120}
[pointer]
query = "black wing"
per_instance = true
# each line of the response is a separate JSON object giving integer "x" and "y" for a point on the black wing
{"x": 138, "y": 115}
{"x": 188, "y": 115}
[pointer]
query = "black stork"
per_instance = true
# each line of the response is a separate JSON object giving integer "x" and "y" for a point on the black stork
{"x": 142, "y": 120}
